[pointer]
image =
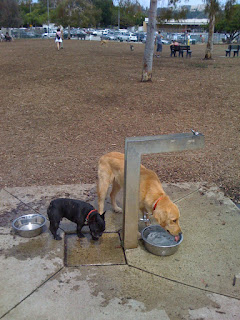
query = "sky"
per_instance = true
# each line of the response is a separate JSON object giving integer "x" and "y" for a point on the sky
{"x": 163, "y": 3}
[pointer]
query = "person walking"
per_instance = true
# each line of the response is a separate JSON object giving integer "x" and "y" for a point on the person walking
{"x": 58, "y": 38}
{"x": 158, "y": 42}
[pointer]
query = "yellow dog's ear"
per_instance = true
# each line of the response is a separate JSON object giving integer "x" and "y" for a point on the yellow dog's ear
{"x": 160, "y": 216}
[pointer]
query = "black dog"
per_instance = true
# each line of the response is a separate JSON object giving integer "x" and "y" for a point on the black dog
{"x": 77, "y": 211}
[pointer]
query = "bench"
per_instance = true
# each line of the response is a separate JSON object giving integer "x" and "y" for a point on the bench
{"x": 8, "y": 38}
{"x": 186, "y": 49}
{"x": 174, "y": 49}
{"x": 232, "y": 48}
{"x": 81, "y": 36}
{"x": 180, "y": 49}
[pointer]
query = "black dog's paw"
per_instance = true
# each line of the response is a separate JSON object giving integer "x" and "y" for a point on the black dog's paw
{"x": 57, "y": 237}
{"x": 80, "y": 235}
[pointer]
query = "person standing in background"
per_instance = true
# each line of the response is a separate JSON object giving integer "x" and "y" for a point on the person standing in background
{"x": 158, "y": 42}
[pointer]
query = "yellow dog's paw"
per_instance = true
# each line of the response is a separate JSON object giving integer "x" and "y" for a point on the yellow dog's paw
{"x": 117, "y": 210}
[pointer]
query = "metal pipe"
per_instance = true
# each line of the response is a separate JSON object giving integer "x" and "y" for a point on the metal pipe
{"x": 134, "y": 148}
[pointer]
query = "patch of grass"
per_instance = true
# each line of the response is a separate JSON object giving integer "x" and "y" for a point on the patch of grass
{"x": 199, "y": 65}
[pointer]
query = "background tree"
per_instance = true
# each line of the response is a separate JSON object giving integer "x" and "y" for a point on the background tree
{"x": 33, "y": 14}
{"x": 131, "y": 13}
{"x": 105, "y": 10}
{"x": 229, "y": 21}
{"x": 166, "y": 14}
{"x": 74, "y": 13}
{"x": 9, "y": 14}
{"x": 149, "y": 46}
{"x": 212, "y": 7}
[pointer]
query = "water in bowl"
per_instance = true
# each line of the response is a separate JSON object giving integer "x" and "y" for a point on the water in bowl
{"x": 30, "y": 226}
{"x": 161, "y": 239}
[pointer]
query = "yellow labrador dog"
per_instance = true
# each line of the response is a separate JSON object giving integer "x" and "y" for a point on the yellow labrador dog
{"x": 153, "y": 199}
{"x": 104, "y": 42}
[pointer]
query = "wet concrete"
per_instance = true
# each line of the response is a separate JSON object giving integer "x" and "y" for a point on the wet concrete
{"x": 25, "y": 265}
{"x": 209, "y": 256}
{"x": 85, "y": 251}
{"x": 200, "y": 281}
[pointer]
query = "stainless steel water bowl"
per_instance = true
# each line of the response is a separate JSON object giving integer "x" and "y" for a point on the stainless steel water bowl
{"x": 30, "y": 225}
{"x": 170, "y": 246}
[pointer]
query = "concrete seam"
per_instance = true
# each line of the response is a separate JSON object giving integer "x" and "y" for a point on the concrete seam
{"x": 52, "y": 276}
{"x": 184, "y": 284}
{"x": 97, "y": 265}
{"x": 189, "y": 194}
{"x": 24, "y": 204}
{"x": 20, "y": 200}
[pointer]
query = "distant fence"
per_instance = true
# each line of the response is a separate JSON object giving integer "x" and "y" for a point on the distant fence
{"x": 196, "y": 37}
{"x": 19, "y": 33}
{"x": 38, "y": 32}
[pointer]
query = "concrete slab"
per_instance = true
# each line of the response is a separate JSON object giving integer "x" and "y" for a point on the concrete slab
{"x": 39, "y": 197}
{"x": 84, "y": 251}
{"x": 120, "y": 292}
{"x": 25, "y": 265}
{"x": 7, "y": 201}
{"x": 177, "y": 191}
{"x": 11, "y": 208}
{"x": 200, "y": 281}
{"x": 209, "y": 256}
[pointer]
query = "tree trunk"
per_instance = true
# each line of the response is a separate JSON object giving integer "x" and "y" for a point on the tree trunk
{"x": 69, "y": 32}
{"x": 149, "y": 46}
{"x": 209, "y": 49}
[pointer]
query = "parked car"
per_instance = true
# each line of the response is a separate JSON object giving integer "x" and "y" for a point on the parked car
{"x": 124, "y": 37}
{"x": 97, "y": 33}
{"x": 65, "y": 34}
{"x": 73, "y": 33}
{"x": 144, "y": 39}
{"x": 116, "y": 35}
{"x": 133, "y": 37}
{"x": 49, "y": 35}
{"x": 140, "y": 35}
{"x": 81, "y": 35}
{"x": 109, "y": 36}
{"x": 89, "y": 31}
{"x": 166, "y": 41}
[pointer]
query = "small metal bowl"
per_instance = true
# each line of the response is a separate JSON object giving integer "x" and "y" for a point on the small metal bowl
{"x": 30, "y": 225}
{"x": 159, "y": 242}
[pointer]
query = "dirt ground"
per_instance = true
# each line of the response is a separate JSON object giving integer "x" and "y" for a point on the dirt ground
{"x": 60, "y": 111}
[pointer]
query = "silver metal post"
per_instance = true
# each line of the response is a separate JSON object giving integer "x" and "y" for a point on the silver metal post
{"x": 134, "y": 148}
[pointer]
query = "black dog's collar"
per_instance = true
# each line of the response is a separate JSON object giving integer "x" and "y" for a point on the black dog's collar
{"x": 87, "y": 218}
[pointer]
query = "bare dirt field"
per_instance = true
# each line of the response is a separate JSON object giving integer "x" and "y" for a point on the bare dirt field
{"x": 60, "y": 111}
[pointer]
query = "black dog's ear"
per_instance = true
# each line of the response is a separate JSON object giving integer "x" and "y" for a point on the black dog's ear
{"x": 103, "y": 215}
